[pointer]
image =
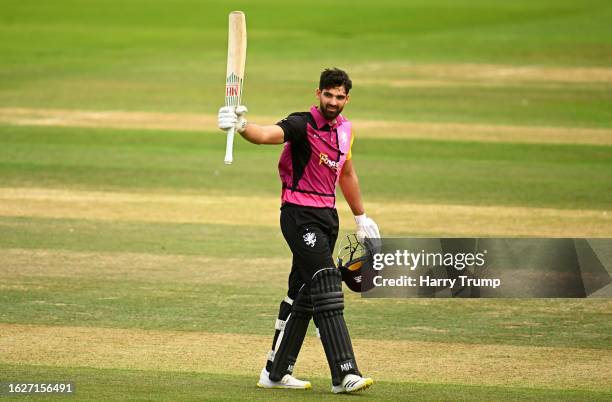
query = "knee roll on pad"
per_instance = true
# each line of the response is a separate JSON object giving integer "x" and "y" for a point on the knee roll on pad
{"x": 326, "y": 289}
{"x": 289, "y": 341}
{"x": 303, "y": 305}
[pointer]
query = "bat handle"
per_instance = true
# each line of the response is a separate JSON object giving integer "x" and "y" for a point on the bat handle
{"x": 229, "y": 147}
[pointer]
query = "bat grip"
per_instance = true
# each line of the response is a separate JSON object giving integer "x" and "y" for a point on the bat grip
{"x": 229, "y": 147}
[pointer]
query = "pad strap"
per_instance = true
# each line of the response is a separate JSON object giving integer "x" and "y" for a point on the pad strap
{"x": 290, "y": 339}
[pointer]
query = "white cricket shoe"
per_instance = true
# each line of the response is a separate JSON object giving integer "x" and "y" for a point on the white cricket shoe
{"x": 287, "y": 382}
{"x": 352, "y": 383}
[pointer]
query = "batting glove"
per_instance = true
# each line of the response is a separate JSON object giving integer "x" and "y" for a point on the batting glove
{"x": 232, "y": 117}
{"x": 366, "y": 228}
{"x": 367, "y": 232}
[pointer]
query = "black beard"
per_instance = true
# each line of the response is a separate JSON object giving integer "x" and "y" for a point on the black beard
{"x": 329, "y": 116}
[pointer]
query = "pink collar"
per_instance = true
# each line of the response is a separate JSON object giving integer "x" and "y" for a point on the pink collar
{"x": 320, "y": 120}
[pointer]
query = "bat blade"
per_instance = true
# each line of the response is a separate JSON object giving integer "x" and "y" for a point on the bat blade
{"x": 234, "y": 77}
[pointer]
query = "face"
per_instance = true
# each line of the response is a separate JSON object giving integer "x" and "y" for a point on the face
{"x": 332, "y": 101}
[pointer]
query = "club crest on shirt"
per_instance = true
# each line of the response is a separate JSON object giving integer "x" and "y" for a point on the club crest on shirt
{"x": 324, "y": 159}
{"x": 310, "y": 239}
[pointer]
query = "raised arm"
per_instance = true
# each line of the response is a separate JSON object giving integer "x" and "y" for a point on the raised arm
{"x": 263, "y": 134}
{"x": 230, "y": 116}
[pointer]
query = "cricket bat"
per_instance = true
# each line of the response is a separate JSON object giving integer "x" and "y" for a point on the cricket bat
{"x": 234, "y": 79}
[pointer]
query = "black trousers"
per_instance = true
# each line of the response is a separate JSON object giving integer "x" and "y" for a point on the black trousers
{"x": 311, "y": 233}
{"x": 315, "y": 291}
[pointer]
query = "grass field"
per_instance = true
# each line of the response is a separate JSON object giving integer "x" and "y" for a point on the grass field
{"x": 134, "y": 263}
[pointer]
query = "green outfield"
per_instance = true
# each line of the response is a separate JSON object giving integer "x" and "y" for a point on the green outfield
{"x": 136, "y": 264}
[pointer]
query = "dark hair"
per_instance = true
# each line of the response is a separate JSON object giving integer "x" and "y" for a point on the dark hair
{"x": 334, "y": 77}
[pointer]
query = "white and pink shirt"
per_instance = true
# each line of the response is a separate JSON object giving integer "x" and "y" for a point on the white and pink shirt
{"x": 313, "y": 155}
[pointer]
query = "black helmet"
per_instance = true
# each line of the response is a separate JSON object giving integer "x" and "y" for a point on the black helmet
{"x": 355, "y": 264}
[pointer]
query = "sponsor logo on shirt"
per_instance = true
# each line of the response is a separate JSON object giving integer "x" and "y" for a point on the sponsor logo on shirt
{"x": 324, "y": 159}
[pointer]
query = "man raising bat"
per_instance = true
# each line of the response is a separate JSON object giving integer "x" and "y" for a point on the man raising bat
{"x": 316, "y": 157}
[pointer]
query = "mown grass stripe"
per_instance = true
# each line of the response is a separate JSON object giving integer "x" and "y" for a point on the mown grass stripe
{"x": 241, "y": 295}
{"x": 116, "y": 384}
{"x": 414, "y": 171}
{"x": 427, "y": 362}
{"x": 363, "y": 128}
{"x": 394, "y": 218}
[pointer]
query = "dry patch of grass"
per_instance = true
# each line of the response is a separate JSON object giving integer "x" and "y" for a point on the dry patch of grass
{"x": 363, "y": 128}
{"x": 20, "y": 263}
{"x": 116, "y": 206}
{"x": 394, "y": 218}
{"x": 483, "y": 74}
{"x": 482, "y": 133}
{"x": 107, "y": 119}
{"x": 409, "y": 361}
